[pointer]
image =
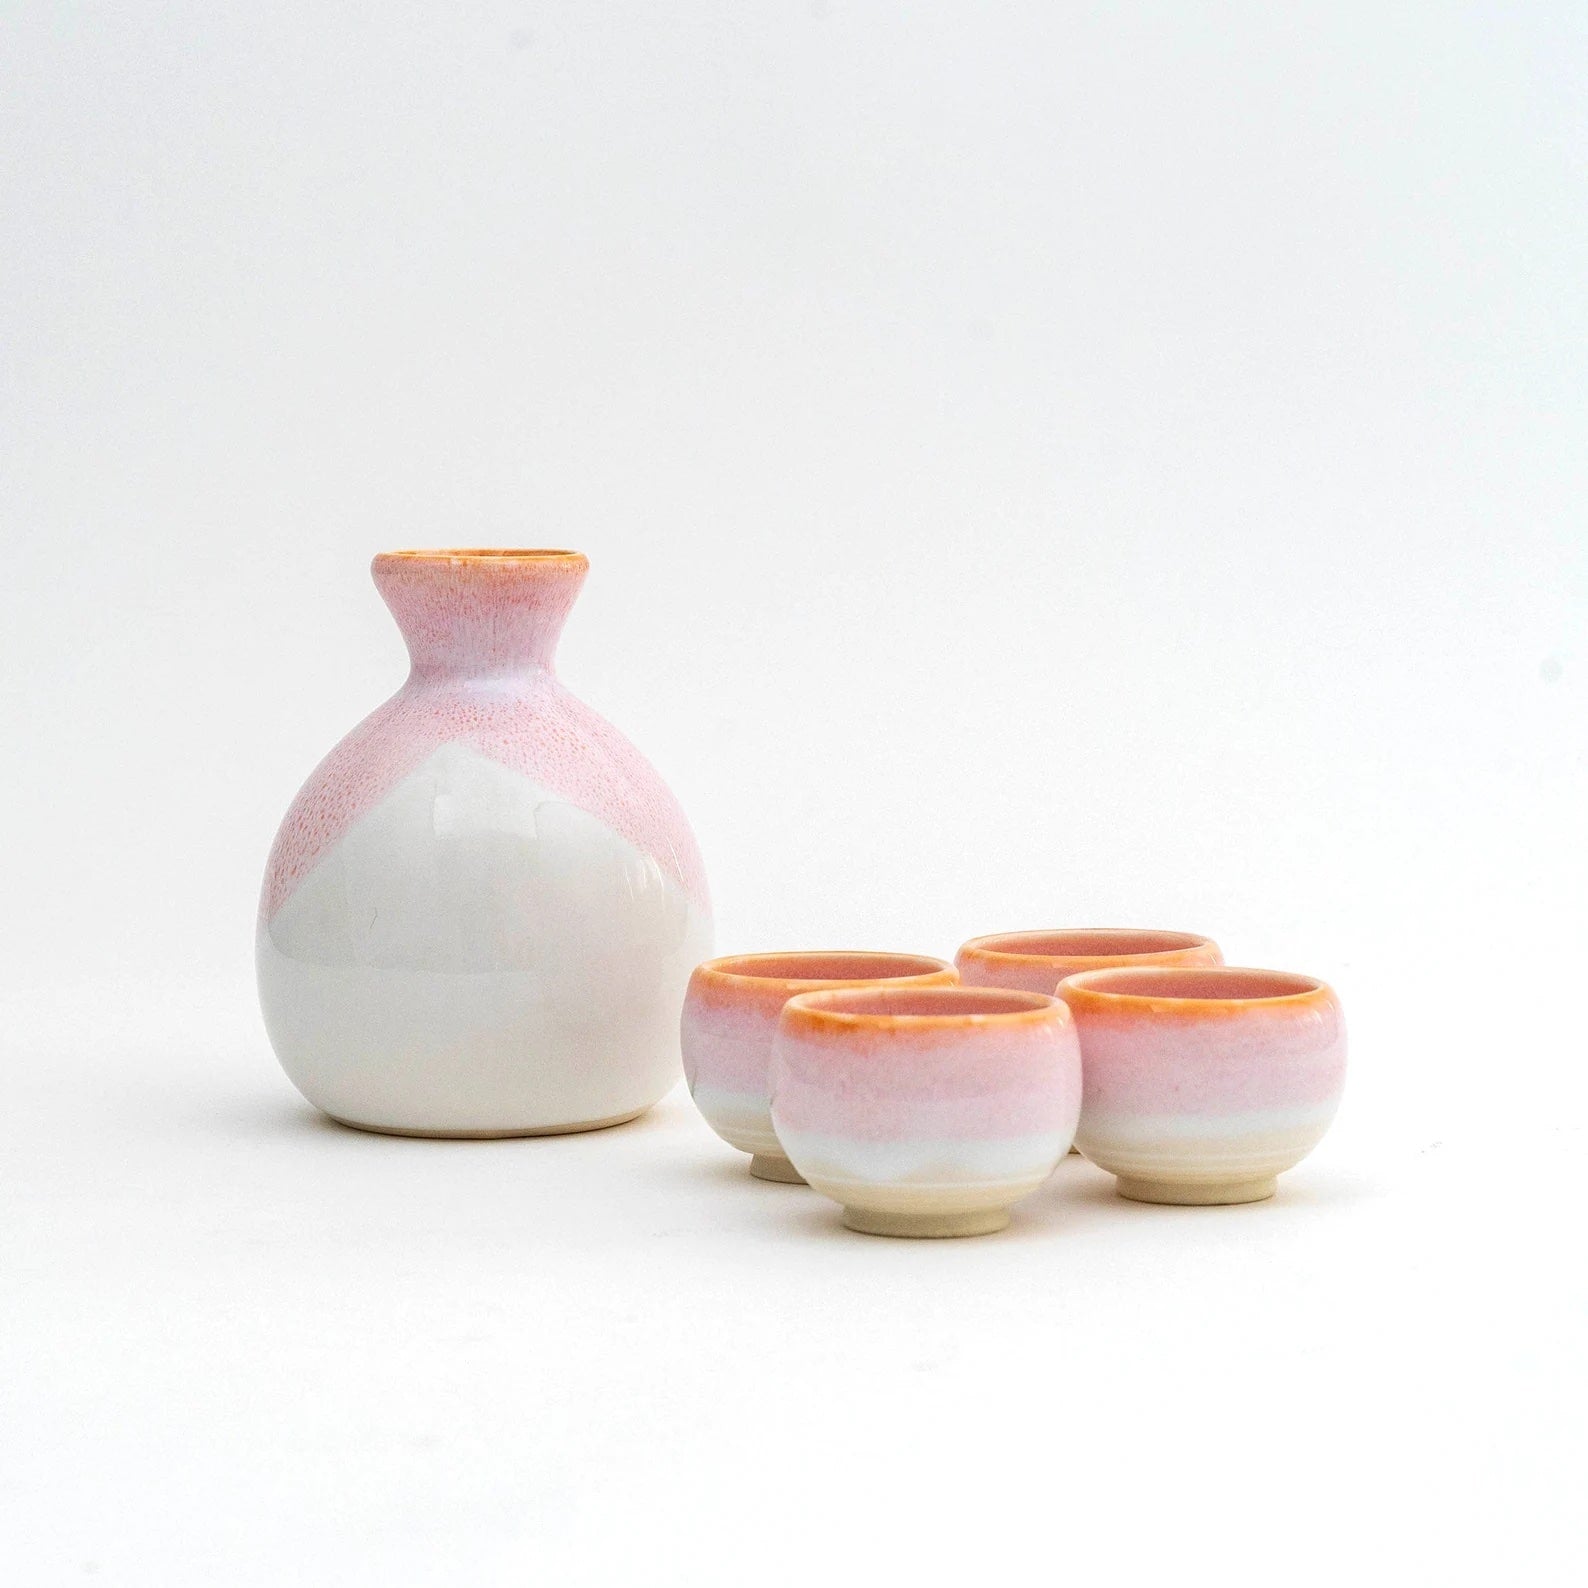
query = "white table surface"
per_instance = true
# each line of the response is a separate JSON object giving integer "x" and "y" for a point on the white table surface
{"x": 243, "y": 1345}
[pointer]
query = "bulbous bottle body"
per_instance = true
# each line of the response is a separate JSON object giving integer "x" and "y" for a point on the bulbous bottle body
{"x": 481, "y": 911}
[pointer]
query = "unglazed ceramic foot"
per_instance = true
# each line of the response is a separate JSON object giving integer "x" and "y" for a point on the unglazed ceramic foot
{"x": 491, "y": 1135}
{"x": 1197, "y": 1194}
{"x": 978, "y": 1221}
{"x": 768, "y": 1166}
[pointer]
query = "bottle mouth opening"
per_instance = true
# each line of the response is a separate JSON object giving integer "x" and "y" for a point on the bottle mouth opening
{"x": 485, "y": 554}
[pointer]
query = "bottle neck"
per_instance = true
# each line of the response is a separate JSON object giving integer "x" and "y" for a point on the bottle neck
{"x": 480, "y": 614}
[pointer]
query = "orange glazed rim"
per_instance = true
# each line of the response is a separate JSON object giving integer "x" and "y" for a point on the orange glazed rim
{"x": 819, "y": 968}
{"x": 1042, "y": 946}
{"x": 862, "y": 1010}
{"x": 546, "y": 556}
{"x": 1191, "y": 990}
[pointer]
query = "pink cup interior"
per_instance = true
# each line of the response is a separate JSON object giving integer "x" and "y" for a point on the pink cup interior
{"x": 1089, "y": 943}
{"x": 825, "y": 965}
{"x": 925, "y": 1003}
{"x": 1200, "y": 983}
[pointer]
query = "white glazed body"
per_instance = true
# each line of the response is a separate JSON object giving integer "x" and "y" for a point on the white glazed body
{"x": 475, "y": 957}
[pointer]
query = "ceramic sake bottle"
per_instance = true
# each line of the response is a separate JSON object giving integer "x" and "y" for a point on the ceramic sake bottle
{"x": 482, "y": 909}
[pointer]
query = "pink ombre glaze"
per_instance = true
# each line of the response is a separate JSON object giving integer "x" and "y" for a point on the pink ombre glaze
{"x": 481, "y": 630}
{"x": 1210, "y": 1041}
{"x": 941, "y": 1064}
{"x": 731, "y": 1009}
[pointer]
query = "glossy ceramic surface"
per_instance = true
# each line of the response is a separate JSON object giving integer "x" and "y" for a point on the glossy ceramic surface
{"x": 1039, "y": 961}
{"x": 730, "y": 1020}
{"x": 480, "y": 912}
{"x": 926, "y": 1111}
{"x": 1204, "y": 1083}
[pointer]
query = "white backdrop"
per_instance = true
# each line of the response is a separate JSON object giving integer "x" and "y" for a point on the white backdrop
{"x": 1040, "y": 467}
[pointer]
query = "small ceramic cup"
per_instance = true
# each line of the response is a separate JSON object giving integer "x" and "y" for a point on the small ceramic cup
{"x": 926, "y": 1111}
{"x": 1204, "y": 1083}
{"x": 1039, "y": 961}
{"x": 730, "y": 1018}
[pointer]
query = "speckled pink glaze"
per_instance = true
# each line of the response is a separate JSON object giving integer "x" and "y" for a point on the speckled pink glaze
{"x": 1213, "y": 1042}
{"x": 943, "y": 1064}
{"x": 481, "y": 631}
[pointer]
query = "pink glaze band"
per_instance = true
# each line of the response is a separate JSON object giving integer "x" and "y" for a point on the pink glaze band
{"x": 883, "y": 1064}
{"x": 1207, "y": 1040}
{"x": 732, "y": 1006}
{"x": 473, "y": 613}
{"x": 481, "y": 628}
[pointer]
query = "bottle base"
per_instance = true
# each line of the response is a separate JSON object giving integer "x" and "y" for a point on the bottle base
{"x": 490, "y": 1135}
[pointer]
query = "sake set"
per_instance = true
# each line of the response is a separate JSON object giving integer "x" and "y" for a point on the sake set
{"x": 928, "y": 1098}
{"x": 485, "y": 915}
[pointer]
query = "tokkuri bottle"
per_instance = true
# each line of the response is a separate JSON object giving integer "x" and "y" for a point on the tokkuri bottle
{"x": 481, "y": 911}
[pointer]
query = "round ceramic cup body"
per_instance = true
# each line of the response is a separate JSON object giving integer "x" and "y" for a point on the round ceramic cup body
{"x": 926, "y": 1111}
{"x": 1039, "y": 961}
{"x": 730, "y": 1019}
{"x": 1202, "y": 1084}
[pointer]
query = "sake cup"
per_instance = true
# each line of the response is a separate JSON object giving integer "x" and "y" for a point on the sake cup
{"x": 1039, "y": 961}
{"x": 730, "y": 1018}
{"x": 925, "y": 1111}
{"x": 1204, "y": 1083}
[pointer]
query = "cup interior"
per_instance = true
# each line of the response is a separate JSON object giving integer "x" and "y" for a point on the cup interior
{"x": 926, "y": 1003}
{"x": 1200, "y": 983}
{"x": 1087, "y": 943}
{"x": 822, "y": 965}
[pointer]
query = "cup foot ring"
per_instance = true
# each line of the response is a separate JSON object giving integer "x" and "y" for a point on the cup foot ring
{"x": 1197, "y": 1194}
{"x": 767, "y": 1166}
{"x": 978, "y": 1221}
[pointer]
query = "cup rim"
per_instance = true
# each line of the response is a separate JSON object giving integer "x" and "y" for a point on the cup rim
{"x": 737, "y": 970}
{"x": 867, "y": 1009}
{"x": 1021, "y": 947}
{"x": 1187, "y": 989}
